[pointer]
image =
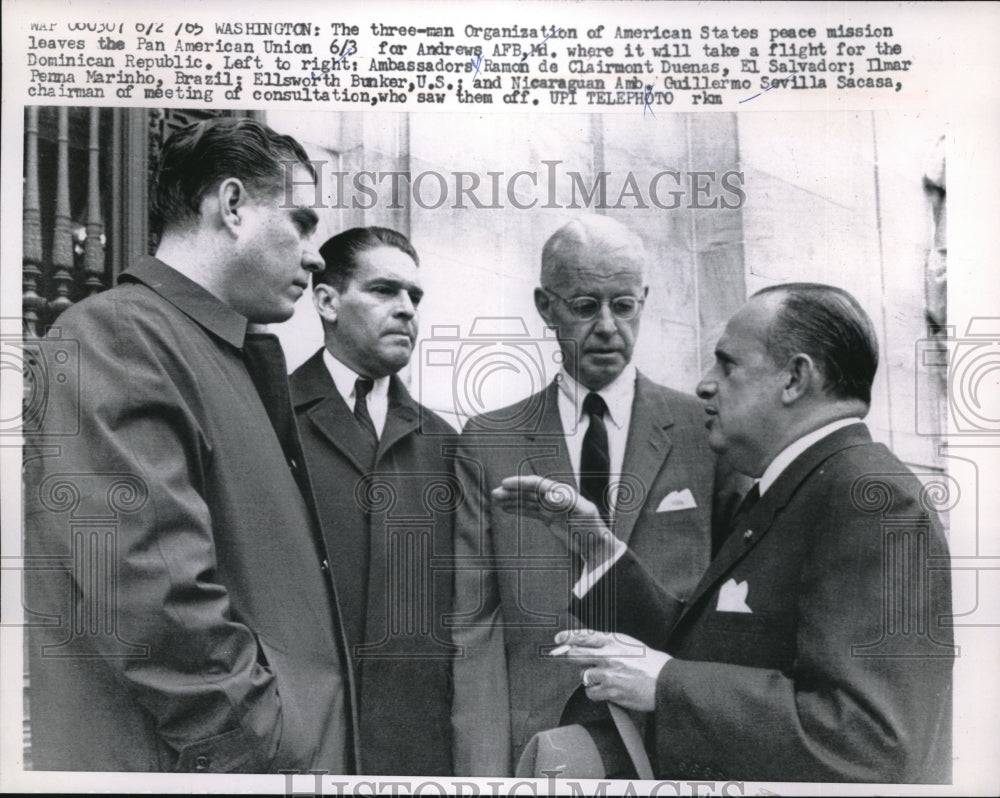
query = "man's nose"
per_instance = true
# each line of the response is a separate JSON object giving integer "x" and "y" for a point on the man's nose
{"x": 706, "y": 387}
{"x": 312, "y": 261}
{"x": 605, "y": 321}
{"x": 405, "y": 306}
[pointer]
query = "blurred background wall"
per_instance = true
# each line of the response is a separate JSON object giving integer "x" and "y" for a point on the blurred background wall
{"x": 848, "y": 199}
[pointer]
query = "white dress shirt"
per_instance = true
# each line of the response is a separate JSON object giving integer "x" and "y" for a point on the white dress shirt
{"x": 344, "y": 378}
{"x": 774, "y": 470}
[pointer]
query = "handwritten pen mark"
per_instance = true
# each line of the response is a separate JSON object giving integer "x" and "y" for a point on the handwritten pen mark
{"x": 347, "y": 51}
{"x": 525, "y": 56}
{"x": 647, "y": 99}
{"x": 476, "y": 62}
{"x": 772, "y": 86}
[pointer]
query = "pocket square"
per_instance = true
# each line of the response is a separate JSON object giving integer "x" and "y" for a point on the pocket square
{"x": 676, "y": 500}
{"x": 733, "y": 597}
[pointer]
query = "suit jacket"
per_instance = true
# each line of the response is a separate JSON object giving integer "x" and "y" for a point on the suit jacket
{"x": 838, "y": 667}
{"x": 387, "y": 519}
{"x": 512, "y": 574}
{"x": 182, "y": 616}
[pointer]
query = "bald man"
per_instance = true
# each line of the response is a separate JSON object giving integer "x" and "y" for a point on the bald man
{"x": 638, "y": 450}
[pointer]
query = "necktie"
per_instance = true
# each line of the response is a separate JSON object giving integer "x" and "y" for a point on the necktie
{"x": 595, "y": 463}
{"x": 362, "y": 387}
{"x": 746, "y": 504}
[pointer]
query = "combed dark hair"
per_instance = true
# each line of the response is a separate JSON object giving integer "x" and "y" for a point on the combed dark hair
{"x": 340, "y": 253}
{"x": 829, "y": 325}
{"x": 199, "y": 156}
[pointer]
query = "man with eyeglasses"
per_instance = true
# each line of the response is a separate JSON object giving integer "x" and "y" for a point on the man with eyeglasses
{"x": 636, "y": 449}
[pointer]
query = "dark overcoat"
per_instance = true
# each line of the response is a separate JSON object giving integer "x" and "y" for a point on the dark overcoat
{"x": 387, "y": 519}
{"x": 181, "y": 610}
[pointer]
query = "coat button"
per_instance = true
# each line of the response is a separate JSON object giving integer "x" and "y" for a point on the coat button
{"x": 202, "y": 762}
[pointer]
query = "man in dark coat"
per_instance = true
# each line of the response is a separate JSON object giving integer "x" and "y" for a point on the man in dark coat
{"x": 817, "y": 646}
{"x": 183, "y": 616}
{"x": 386, "y": 495}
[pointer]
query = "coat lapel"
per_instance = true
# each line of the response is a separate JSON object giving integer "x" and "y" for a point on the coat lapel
{"x": 758, "y": 522}
{"x": 313, "y": 390}
{"x": 548, "y": 453}
{"x": 402, "y": 419}
{"x": 646, "y": 450}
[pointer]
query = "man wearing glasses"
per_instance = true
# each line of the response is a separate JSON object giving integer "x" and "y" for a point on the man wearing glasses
{"x": 638, "y": 450}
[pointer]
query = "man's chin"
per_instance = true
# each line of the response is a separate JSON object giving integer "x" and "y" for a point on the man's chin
{"x": 395, "y": 359}
{"x": 272, "y": 315}
{"x": 716, "y": 444}
{"x": 595, "y": 376}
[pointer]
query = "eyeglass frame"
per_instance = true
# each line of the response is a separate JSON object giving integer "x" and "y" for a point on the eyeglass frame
{"x": 640, "y": 303}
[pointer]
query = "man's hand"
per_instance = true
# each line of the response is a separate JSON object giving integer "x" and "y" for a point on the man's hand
{"x": 572, "y": 519}
{"x": 616, "y": 667}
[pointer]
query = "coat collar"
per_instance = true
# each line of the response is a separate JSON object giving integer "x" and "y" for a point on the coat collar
{"x": 201, "y": 305}
{"x": 315, "y": 395}
{"x": 757, "y": 523}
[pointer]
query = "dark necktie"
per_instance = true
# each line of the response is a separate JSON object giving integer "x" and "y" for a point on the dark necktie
{"x": 595, "y": 462}
{"x": 746, "y": 505}
{"x": 362, "y": 387}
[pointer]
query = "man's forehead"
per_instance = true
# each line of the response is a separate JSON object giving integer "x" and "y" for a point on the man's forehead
{"x": 599, "y": 273}
{"x": 747, "y": 328}
{"x": 300, "y": 194}
{"x": 387, "y": 263}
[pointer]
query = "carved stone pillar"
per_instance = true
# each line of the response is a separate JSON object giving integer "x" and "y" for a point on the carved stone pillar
{"x": 33, "y": 304}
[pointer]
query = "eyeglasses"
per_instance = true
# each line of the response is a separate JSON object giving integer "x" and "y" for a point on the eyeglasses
{"x": 586, "y": 308}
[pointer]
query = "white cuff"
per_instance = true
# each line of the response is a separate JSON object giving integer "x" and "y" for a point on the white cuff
{"x": 590, "y": 577}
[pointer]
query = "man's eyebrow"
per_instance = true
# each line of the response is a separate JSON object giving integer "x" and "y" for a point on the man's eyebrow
{"x": 306, "y": 218}
{"x": 392, "y": 282}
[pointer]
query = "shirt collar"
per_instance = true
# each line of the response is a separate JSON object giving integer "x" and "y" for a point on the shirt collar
{"x": 344, "y": 378}
{"x": 617, "y": 395}
{"x": 793, "y": 450}
{"x": 200, "y": 304}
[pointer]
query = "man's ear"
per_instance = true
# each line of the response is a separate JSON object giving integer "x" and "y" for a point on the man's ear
{"x": 232, "y": 198}
{"x": 801, "y": 378}
{"x": 543, "y": 304}
{"x": 326, "y": 300}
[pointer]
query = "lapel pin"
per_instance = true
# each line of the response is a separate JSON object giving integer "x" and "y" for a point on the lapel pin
{"x": 748, "y": 536}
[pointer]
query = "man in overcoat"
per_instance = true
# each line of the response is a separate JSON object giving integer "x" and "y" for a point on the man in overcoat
{"x": 179, "y": 599}
{"x": 386, "y": 492}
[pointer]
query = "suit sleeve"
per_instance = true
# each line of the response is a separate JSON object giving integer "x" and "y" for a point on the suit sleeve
{"x": 628, "y": 600}
{"x": 481, "y": 705}
{"x": 140, "y": 459}
{"x": 855, "y": 704}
